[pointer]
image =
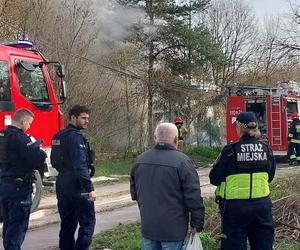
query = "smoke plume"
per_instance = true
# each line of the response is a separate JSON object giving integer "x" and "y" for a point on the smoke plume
{"x": 116, "y": 21}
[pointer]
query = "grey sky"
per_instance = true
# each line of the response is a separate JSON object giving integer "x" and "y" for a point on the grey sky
{"x": 268, "y": 7}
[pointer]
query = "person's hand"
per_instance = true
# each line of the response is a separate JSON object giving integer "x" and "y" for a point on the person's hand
{"x": 92, "y": 196}
{"x": 193, "y": 230}
{"x": 38, "y": 142}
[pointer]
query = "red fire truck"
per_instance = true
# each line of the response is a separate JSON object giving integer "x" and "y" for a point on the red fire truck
{"x": 272, "y": 107}
{"x": 25, "y": 82}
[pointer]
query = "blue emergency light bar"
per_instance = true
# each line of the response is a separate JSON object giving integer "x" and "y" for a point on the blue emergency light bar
{"x": 21, "y": 44}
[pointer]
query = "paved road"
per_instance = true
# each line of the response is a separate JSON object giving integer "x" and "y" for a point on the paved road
{"x": 47, "y": 237}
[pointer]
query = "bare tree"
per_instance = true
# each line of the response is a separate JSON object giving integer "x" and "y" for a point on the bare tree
{"x": 67, "y": 30}
{"x": 232, "y": 23}
{"x": 268, "y": 58}
{"x": 277, "y": 56}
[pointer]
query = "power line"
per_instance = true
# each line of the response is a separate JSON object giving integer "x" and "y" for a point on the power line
{"x": 165, "y": 85}
{"x": 131, "y": 74}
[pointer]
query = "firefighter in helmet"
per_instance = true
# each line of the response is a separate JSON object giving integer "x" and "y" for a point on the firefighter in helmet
{"x": 242, "y": 174}
{"x": 294, "y": 138}
{"x": 178, "y": 122}
{"x": 182, "y": 131}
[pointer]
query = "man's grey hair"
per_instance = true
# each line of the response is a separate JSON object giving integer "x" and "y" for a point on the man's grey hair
{"x": 166, "y": 132}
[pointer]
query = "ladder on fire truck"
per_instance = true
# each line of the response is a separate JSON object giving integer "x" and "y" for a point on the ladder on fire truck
{"x": 276, "y": 129}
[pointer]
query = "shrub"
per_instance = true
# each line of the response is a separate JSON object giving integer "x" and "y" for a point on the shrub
{"x": 209, "y": 152}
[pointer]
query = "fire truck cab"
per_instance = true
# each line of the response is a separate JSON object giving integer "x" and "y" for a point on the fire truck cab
{"x": 25, "y": 82}
{"x": 272, "y": 107}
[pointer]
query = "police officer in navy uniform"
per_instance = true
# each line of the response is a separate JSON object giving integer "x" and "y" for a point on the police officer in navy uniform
{"x": 242, "y": 174}
{"x": 294, "y": 139}
{"x": 17, "y": 174}
{"x": 74, "y": 189}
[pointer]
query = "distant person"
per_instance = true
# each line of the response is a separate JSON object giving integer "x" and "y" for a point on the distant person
{"x": 166, "y": 186}
{"x": 20, "y": 158}
{"x": 294, "y": 140}
{"x": 242, "y": 174}
{"x": 74, "y": 189}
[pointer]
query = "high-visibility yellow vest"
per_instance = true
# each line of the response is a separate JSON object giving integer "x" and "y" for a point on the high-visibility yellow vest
{"x": 244, "y": 186}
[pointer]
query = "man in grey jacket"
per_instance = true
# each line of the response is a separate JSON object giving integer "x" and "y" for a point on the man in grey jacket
{"x": 166, "y": 186}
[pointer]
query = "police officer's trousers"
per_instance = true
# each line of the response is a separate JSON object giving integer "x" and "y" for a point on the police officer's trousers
{"x": 252, "y": 219}
{"x": 16, "y": 202}
{"x": 74, "y": 209}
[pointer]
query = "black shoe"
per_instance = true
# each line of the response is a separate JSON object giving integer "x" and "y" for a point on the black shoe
{"x": 292, "y": 163}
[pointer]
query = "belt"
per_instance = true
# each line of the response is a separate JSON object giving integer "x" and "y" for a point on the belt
{"x": 66, "y": 173}
{"x": 18, "y": 180}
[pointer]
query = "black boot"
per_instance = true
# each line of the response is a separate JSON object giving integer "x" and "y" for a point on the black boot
{"x": 292, "y": 162}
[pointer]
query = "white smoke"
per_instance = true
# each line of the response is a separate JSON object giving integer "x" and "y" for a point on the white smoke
{"x": 115, "y": 22}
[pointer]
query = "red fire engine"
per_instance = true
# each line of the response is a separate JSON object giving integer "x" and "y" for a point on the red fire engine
{"x": 25, "y": 82}
{"x": 272, "y": 107}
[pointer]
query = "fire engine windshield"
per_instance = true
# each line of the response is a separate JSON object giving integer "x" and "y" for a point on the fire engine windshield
{"x": 4, "y": 82}
{"x": 32, "y": 83}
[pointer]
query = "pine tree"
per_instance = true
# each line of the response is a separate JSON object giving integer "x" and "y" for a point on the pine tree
{"x": 180, "y": 48}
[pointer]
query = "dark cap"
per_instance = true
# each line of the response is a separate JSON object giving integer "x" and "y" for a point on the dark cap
{"x": 246, "y": 120}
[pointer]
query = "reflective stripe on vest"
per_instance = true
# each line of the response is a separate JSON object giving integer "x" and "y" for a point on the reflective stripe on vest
{"x": 220, "y": 191}
{"x": 295, "y": 141}
{"x": 237, "y": 186}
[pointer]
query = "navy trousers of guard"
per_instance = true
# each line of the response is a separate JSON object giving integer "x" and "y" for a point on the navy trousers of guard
{"x": 16, "y": 202}
{"x": 252, "y": 219}
{"x": 74, "y": 209}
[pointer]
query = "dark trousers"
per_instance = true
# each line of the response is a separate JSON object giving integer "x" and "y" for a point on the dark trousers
{"x": 74, "y": 209}
{"x": 297, "y": 148}
{"x": 16, "y": 202}
{"x": 291, "y": 152}
{"x": 252, "y": 219}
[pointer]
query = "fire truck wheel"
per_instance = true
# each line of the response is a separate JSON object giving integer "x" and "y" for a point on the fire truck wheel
{"x": 37, "y": 191}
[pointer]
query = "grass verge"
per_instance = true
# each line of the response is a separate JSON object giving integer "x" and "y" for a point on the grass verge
{"x": 124, "y": 237}
{"x": 202, "y": 156}
{"x": 284, "y": 186}
{"x": 121, "y": 167}
{"x": 128, "y": 237}
{"x": 285, "y": 245}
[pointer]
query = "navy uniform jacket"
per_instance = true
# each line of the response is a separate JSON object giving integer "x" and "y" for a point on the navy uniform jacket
{"x": 78, "y": 156}
{"x": 256, "y": 158}
{"x": 294, "y": 131}
{"x": 24, "y": 156}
